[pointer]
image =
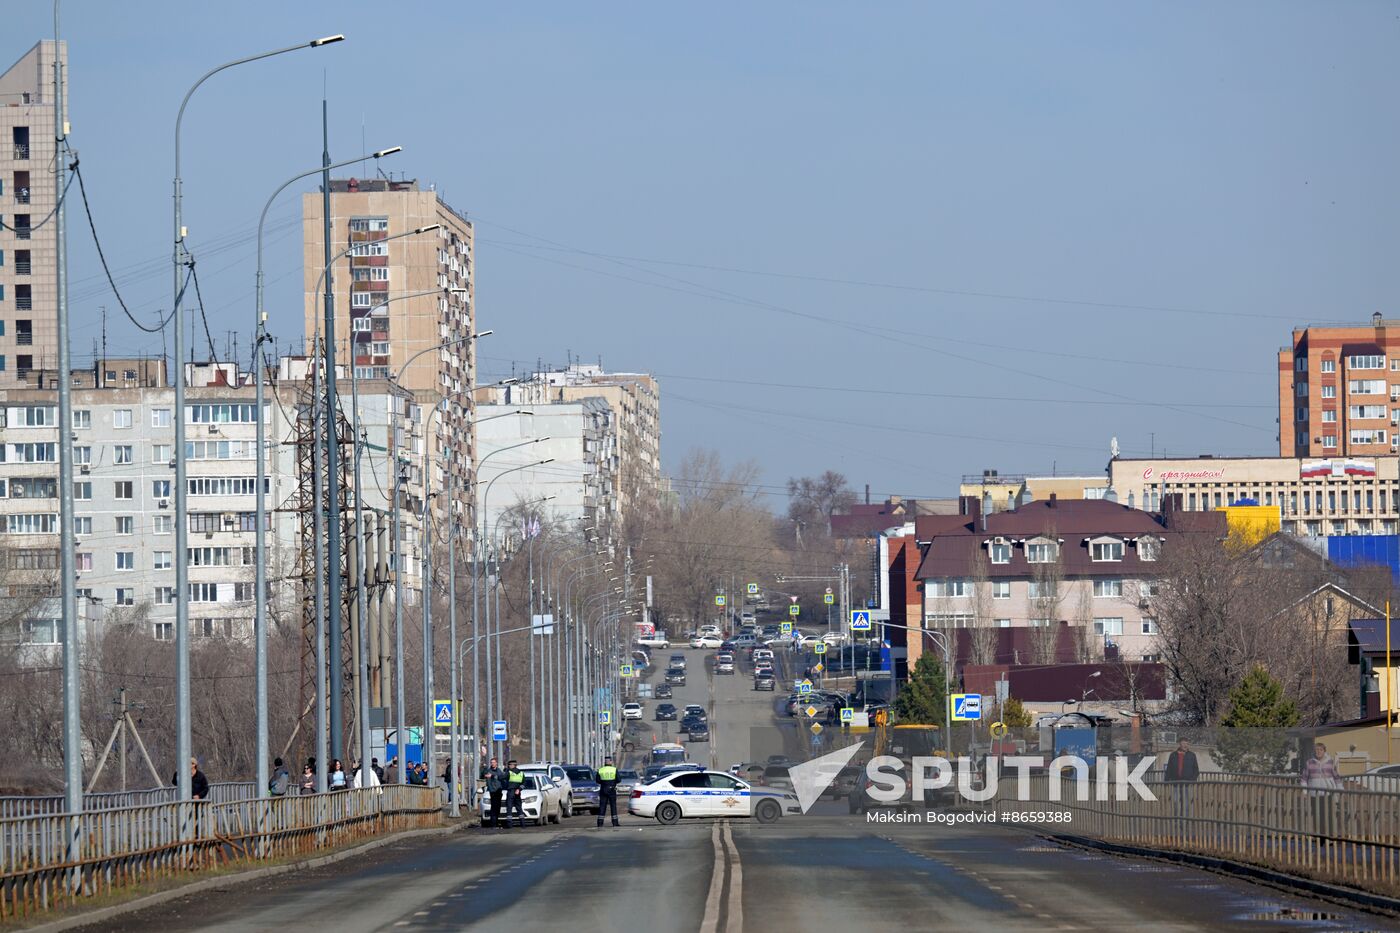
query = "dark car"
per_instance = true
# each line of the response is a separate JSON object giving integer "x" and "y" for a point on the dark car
{"x": 662, "y": 691}
{"x": 691, "y": 723}
{"x": 699, "y": 731}
{"x": 676, "y": 675}
{"x": 585, "y": 787}
{"x": 727, "y": 646}
{"x": 764, "y": 682}
{"x": 665, "y": 711}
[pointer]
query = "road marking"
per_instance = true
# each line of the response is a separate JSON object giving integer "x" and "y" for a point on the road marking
{"x": 735, "y": 918}
{"x": 711, "y": 922}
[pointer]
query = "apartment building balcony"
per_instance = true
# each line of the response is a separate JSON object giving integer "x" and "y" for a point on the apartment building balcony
{"x": 22, "y": 267}
{"x": 21, "y": 150}
{"x": 22, "y": 233}
{"x": 22, "y": 195}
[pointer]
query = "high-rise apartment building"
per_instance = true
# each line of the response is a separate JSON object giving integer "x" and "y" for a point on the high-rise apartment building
{"x": 28, "y": 245}
{"x": 395, "y": 298}
{"x": 635, "y": 399}
{"x": 1339, "y": 390}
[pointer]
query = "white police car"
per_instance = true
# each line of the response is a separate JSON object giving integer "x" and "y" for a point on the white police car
{"x": 708, "y": 794}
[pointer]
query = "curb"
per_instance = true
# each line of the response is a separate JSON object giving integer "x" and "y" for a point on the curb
{"x": 1349, "y": 897}
{"x": 253, "y": 874}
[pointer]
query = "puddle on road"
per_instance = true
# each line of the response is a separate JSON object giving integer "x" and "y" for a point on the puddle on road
{"x": 1040, "y": 849}
{"x": 1297, "y": 917}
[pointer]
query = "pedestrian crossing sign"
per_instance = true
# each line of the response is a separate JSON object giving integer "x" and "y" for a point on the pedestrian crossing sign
{"x": 784, "y": 628}
{"x": 626, "y": 670}
{"x": 604, "y": 718}
{"x": 848, "y": 713}
{"x": 794, "y": 610}
{"x": 720, "y": 600}
{"x": 828, "y": 599}
{"x": 819, "y": 647}
{"x": 805, "y": 687}
{"x": 860, "y": 620}
{"x": 442, "y": 714}
{"x": 751, "y": 589}
{"x": 966, "y": 706}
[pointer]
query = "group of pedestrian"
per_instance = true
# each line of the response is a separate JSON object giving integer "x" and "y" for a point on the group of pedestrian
{"x": 504, "y": 785}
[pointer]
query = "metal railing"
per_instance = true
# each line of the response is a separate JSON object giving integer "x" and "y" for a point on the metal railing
{"x": 18, "y": 807}
{"x": 1342, "y": 836}
{"x": 131, "y": 845}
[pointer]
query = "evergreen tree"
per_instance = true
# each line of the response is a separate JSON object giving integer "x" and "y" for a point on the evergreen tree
{"x": 1254, "y": 736}
{"x": 1014, "y": 715}
{"x": 923, "y": 699}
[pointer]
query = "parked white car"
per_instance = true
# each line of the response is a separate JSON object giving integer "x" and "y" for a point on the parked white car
{"x": 631, "y": 711}
{"x": 541, "y": 800}
{"x": 557, "y": 774}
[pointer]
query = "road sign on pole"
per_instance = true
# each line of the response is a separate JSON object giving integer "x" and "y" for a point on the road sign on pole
{"x": 828, "y": 599}
{"x": 967, "y": 707}
{"x": 848, "y": 713}
{"x": 819, "y": 648}
{"x": 817, "y": 668}
{"x": 860, "y": 620}
{"x": 442, "y": 714}
{"x": 720, "y": 600}
{"x": 784, "y": 628}
{"x": 626, "y": 671}
{"x": 604, "y": 718}
{"x": 499, "y": 732}
{"x": 794, "y": 610}
{"x": 752, "y": 589}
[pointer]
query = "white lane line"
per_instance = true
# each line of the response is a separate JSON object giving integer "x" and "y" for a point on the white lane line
{"x": 711, "y": 922}
{"x": 735, "y": 919}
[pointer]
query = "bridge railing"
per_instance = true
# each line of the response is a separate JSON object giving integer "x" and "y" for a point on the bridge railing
{"x": 221, "y": 792}
{"x": 123, "y": 846}
{"x": 1342, "y": 836}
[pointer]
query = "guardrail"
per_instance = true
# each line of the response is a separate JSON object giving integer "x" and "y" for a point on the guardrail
{"x": 130, "y": 845}
{"x": 1343, "y": 836}
{"x": 17, "y": 807}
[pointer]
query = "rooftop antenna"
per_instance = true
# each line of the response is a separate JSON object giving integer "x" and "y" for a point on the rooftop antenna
{"x": 103, "y": 365}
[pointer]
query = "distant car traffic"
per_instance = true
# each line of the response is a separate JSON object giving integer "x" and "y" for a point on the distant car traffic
{"x": 764, "y": 681}
{"x": 706, "y": 641}
{"x": 661, "y": 691}
{"x": 676, "y": 676}
{"x": 677, "y": 660}
{"x": 695, "y": 709}
{"x": 699, "y": 731}
{"x": 627, "y": 778}
{"x": 631, "y": 711}
{"x": 666, "y": 711}
{"x": 674, "y": 797}
{"x": 724, "y": 665}
{"x": 654, "y": 641}
{"x": 585, "y": 787}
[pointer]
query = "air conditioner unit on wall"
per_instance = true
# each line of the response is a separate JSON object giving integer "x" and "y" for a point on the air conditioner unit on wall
{"x": 213, "y": 429}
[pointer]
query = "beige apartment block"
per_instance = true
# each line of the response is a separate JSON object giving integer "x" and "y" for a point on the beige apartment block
{"x": 395, "y": 298}
{"x": 28, "y": 244}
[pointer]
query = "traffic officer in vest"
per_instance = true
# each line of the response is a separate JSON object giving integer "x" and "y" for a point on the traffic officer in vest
{"x": 607, "y": 790}
{"x": 515, "y": 786}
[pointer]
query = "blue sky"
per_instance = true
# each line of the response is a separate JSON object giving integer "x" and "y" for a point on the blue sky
{"x": 903, "y": 241}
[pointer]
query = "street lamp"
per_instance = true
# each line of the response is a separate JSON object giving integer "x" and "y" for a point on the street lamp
{"x": 332, "y": 469}
{"x": 182, "y": 611}
{"x": 260, "y": 509}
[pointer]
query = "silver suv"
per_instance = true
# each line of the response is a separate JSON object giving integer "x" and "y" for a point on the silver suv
{"x": 559, "y": 776}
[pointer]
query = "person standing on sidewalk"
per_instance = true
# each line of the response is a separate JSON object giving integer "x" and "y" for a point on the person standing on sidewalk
{"x": 495, "y": 780}
{"x": 1320, "y": 777}
{"x": 515, "y": 788}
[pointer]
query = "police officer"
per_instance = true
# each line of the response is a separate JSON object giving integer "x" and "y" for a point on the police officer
{"x": 606, "y": 776}
{"x": 515, "y": 786}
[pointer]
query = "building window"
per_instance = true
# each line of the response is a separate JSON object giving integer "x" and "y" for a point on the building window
{"x": 163, "y": 631}
{"x": 82, "y": 561}
{"x": 126, "y": 560}
{"x": 122, "y": 489}
{"x": 124, "y": 596}
{"x": 160, "y": 489}
{"x": 1330, "y": 417}
{"x": 1368, "y": 437}
{"x": 121, "y": 454}
{"x": 82, "y": 525}
{"x": 163, "y": 525}
{"x": 1042, "y": 552}
{"x": 29, "y": 523}
{"x": 1000, "y": 553}
{"x": 1109, "y": 588}
{"x": 1148, "y": 548}
{"x": 1301, "y": 390}
{"x": 1329, "y": 391}
{"x": 82, "y": 455}
{"x": 1366, "y": 362}
{"x": 244, "y": 592}
{"x": 1302, "y": 415}
{"x": 204, "y": 592}
{"x": 952, "y": 587}
{"x": 126, "y": 525}
{"x": 165, "y": 596}
{"x": 82, "y": 419}
{"x": 1042, "y": 589}
{"x": 948, "y": 620}
{"x": 1111, "y": 625}
{"x": 225, "y": 414}
{"x": 1107, "y": 550}
{"x": 1329, "y": 441}
{"x": 1366, "y": 386}
{"x": 1366, "y": 411}
{"x": 160, "y": 417}
{"x": 162, "y": 560}
{"x": 82, "y": 491}
{"x": 1329, "y": 366}
{"x": 361, "y": 300}
{"x": 1149, "y": 627}
{"x": 121, "y": 418}
{"x": 1001, "y": 589}
{"x": 1003, "y": 623}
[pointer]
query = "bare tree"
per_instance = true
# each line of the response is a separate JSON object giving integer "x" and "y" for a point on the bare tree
{"x": 984, "y": 633}
{"x": 1047, "y": 578}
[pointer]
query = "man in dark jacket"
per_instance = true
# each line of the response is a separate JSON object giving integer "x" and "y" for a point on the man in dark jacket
{"x": 199, "y": 784}
{"x": 495, "y": 780}
{"x": 1181, "y": 771}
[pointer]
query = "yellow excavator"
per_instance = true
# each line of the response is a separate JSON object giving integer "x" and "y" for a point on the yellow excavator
{"x": 905, "y": 741}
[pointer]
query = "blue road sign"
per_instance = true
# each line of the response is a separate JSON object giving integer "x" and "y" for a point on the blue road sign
{"x": 442, "y": 714}
{"x": 604, "y": 718}
{"x": 966, "y": 706}
{"x": 860, "y": 620}
{"x": 828, "y": 599}
{"x": 848, "y": 714}
{"x": 498, "y": 730}
{"x": 819, "y": 648}
{"x": 752, "y": 589}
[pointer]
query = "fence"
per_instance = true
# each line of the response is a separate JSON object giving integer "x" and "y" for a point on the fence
{"x": 1343, "y": 836}
{"x": 128, "y": 845}
{"x": 222, "y": 792}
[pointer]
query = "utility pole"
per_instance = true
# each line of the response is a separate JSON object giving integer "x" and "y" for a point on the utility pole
{"x": 336, "y": 626}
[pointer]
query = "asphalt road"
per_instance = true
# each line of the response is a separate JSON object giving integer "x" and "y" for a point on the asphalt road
{"x": 814, "y": 872}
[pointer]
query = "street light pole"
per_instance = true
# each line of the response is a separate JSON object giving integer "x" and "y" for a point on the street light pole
{"x": 260, "y": 509}
{"x": 940, "y": 641}
{"x": 182, "y": 613}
